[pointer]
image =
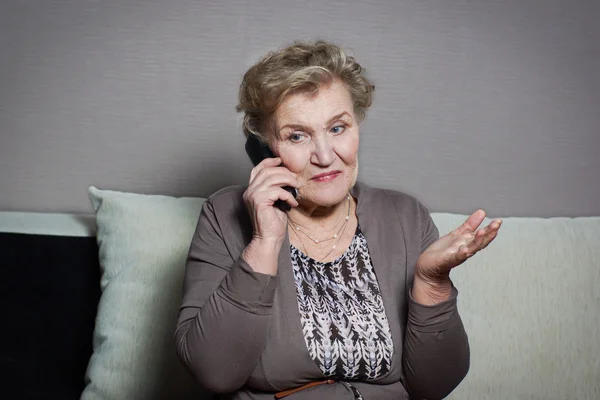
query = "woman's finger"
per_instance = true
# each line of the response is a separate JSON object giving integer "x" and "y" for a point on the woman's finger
{"x": 463, "y": 245}
{"x": 267, "y": 162}
{"x": 484, "y": 236}
{"x": 275, "y": 176}
{"x": 260, "y": 177}
{"x": 281, "y": 180}
{"x": 480, "y": 237}
{"x": 287, "y": 196}
{"x": 471, "y": 223}
{"x": 489, "y": 239}
{"x": 490, "y": 233}
{"x": 274, "y": 194}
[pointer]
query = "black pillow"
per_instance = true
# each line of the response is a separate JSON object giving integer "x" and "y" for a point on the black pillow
{"x": 49, "y": 292}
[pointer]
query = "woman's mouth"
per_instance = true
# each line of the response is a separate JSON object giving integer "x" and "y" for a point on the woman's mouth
{"x": 328, "y": 176}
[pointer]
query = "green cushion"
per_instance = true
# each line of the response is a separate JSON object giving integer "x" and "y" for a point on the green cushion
{"x": 143, "y": 243}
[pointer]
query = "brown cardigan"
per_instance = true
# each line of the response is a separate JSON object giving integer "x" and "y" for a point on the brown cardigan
{"x": 239, "y": 331}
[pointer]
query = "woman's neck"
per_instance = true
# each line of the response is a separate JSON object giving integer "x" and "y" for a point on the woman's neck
{"x": 317, "y": 218}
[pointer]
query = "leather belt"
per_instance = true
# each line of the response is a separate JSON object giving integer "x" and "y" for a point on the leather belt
{"x": 286, "y": 393}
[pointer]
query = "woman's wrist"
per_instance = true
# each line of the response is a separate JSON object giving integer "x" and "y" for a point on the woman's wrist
{"x": 431, "y": 292}
{"x": 263, "y": 255}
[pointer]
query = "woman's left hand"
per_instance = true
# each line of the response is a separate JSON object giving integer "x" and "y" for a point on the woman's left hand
{"x": 434, "y": 265}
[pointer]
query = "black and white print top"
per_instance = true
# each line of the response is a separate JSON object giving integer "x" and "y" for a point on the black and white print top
{"x": 343, "y": 321}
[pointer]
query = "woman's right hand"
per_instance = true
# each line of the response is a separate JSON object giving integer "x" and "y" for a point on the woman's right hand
{"x": 265, "y": 188}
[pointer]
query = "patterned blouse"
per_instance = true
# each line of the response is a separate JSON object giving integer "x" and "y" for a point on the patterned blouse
{"x": 343, "y": 320}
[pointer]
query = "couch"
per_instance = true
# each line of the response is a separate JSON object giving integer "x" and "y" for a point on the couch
{"x": 89, "y": 303}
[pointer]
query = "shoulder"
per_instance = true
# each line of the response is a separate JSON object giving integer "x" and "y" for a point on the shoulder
{"x": 382, "y": 207}
{"x": 227, "y": 199}
{"x": 228, "y": 192}
{"x": 403, "y": 203}
{"x": 227, "y": 207}
{"x": 224, "y": 214}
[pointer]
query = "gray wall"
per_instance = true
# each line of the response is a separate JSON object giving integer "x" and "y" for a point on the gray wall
{"x": 479, "y": 103}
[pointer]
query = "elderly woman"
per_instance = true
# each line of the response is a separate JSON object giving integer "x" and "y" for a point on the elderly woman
{"x": 345, "y": 296}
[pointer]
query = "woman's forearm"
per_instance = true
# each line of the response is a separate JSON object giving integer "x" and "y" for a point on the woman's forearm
{"x": 221, "y": 342}
{"x": 436, "y": 348}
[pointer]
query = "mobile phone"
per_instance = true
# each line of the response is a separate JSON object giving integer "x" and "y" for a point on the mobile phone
{"x": 258, "y": 151}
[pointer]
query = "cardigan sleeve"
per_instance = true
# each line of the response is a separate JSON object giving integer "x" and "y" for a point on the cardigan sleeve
{"x": 436, "y": 348}
{"x": 224, "y": 318}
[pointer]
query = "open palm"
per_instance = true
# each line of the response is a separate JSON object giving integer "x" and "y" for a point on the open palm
{"x": 456, "y": 247}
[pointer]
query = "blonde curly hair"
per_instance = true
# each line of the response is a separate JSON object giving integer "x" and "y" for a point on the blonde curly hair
{"x": 303, "y": 66}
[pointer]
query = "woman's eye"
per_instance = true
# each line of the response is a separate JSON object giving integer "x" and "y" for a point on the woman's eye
{"x": 338, "y": 129}
{"x": 295, "y": 137}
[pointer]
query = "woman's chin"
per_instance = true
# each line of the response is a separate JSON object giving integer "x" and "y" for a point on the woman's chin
{"x": 328, "y": 195}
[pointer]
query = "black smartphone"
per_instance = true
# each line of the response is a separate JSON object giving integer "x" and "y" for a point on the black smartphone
{"x": 258, "y": 151}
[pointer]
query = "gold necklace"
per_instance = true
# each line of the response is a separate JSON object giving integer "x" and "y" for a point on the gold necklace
{"x": 338, "y": 235}
{"x": 326, "y": 255}
{"x": 316, "y": 241}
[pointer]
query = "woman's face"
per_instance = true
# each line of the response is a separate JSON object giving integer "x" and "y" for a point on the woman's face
{"x": 316, "y": 134}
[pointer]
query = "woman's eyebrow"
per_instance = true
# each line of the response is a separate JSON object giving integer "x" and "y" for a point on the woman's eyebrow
{"x": 336, "y": 117}
{"x": 307, "y": 128}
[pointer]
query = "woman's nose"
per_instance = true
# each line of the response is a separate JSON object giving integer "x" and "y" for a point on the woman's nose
{"x": 323, "y": 152}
